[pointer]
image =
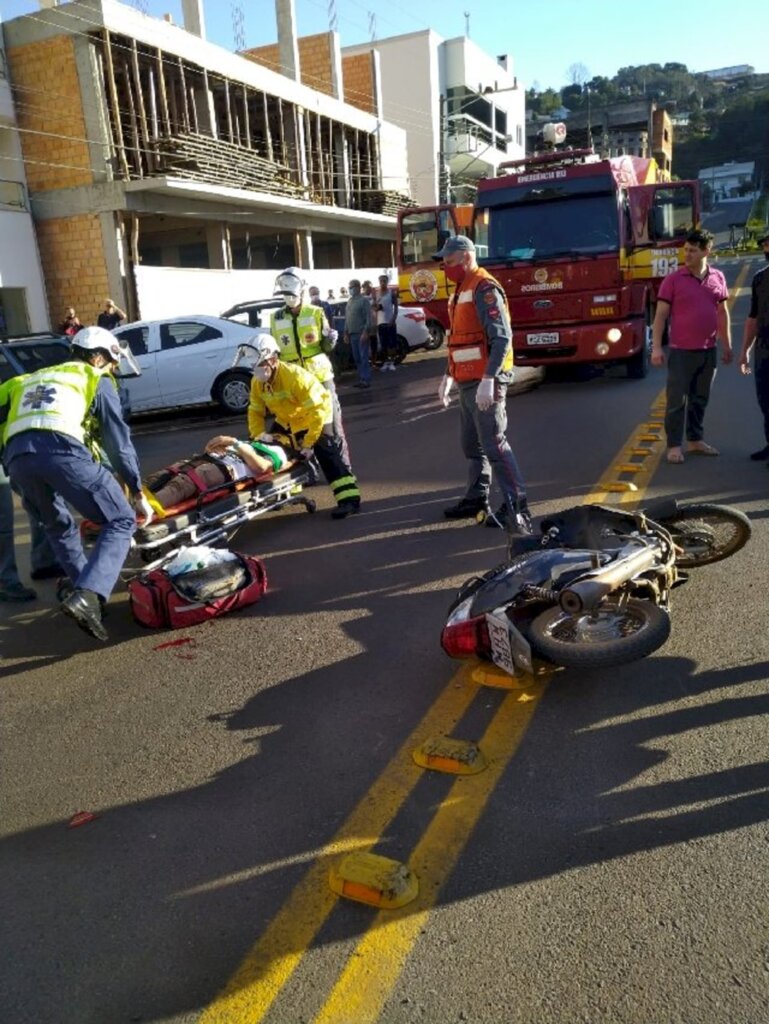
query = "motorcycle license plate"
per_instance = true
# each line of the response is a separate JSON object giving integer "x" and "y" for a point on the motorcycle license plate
{"x": 545, "y": 338}
{"x": 509, "y": 649}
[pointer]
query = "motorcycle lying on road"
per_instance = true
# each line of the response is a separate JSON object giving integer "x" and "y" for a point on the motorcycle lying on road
{"x": 593, "y": 591}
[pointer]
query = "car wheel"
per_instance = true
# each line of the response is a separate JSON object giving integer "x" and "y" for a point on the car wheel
{"x": 437, "y": 335}
{"x": 402, "y": 350}
{"x": 232, "y": 391}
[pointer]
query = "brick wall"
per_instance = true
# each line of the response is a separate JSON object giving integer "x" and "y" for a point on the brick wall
{"x": 315, "y": 61}
{"x": 72, "y": 255}
{"x": 47, "y": 98}
{"x": 358, "y": 78}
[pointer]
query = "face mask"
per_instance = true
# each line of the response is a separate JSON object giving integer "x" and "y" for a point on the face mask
{"x": 293, "y": 301}
{"x": 455, "y": 274}
{"x": 262, "y": 373}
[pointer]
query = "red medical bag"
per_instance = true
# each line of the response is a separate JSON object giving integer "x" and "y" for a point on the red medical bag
{"x": 159, "y": 601}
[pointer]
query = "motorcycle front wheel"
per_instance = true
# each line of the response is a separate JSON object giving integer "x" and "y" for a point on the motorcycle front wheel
{"x": 706, "y": 533}
{"x": 612, "y": 635}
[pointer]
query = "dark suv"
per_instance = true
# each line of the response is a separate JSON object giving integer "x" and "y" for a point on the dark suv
{"x": 29, "y": 352}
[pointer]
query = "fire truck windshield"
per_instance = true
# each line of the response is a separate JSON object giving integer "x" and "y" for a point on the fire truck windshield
{"x": 535, "y": 223}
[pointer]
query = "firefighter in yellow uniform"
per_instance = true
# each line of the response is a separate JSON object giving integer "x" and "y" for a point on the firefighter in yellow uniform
{"x": 289, "y": 401}
{"x": 305, "y": 336}
{"x": 481, "y": 364}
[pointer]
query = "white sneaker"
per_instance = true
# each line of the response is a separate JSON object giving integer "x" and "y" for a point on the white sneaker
{"x": 391, "y": 366}
{"x": 384, "y": 367}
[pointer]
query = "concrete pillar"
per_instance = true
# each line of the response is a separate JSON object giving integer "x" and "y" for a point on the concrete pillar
{"x": 288, "y": 48}
{"x": 337, "y": 85}
{"x": 192, "y": 16}
{"x": 305, "y": 257}
{"x": 218, "y": 246}
{"x": 348, "y": 252}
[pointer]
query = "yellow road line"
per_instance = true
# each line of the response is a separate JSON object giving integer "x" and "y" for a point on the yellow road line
{"x": 378, "y": 959}
{"x": 363, "y": 987}
{"x": 273, "y": 959}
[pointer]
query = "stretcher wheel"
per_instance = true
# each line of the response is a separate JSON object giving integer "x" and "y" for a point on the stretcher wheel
{"x": 311, "y": 506}
{"x": 481, "y": 517}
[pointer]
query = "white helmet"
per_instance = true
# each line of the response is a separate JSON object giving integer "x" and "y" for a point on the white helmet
{"x": 99, "y": 339}
{"x": 289, "y": 282}
{"x": 256, "y": 351}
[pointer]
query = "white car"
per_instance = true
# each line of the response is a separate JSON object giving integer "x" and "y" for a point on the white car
{"x": 187, "y": 361}
{"x": 410, "y": 324}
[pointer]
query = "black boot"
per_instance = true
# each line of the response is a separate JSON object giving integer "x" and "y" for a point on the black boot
{"x": 467, "y": 508}
{"x": 346, "y": 507}
{"x": 762, "y": 455}
{"x": 84, "y": 606}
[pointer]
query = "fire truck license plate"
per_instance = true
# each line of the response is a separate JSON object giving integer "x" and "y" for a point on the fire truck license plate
{"x": 549, "y": 338}
{"x": 501, "y": 649}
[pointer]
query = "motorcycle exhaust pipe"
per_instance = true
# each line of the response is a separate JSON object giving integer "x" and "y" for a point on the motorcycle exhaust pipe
{"x": 587, "y": 594}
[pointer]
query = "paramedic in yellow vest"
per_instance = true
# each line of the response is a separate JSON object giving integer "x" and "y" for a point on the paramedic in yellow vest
{"x": 481, "y": 364}
{"x": 305, "y": 336}
{"x": 51, "y": 415}
{"x": 289, "y": 402}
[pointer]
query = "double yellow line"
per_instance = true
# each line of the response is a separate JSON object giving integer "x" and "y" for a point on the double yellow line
{"x": 373, "y": 968}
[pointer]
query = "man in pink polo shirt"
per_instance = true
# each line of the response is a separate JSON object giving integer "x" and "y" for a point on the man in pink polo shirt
{"x": 694, "y": 298}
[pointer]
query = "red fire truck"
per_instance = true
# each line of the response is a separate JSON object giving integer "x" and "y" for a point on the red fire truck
{"x": 580, "y": 245}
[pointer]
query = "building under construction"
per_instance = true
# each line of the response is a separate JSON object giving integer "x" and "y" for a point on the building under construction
{"x": 145, "y": 145}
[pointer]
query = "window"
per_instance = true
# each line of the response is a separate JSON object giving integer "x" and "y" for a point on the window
{"x": 12, "y": 196}
{"x": 186, "y": 333}
{"x": 136, "y": 338}
{"x": 672, "y": 214}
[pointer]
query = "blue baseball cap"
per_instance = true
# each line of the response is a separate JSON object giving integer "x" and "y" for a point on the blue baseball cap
{"x": 458, "y": 243}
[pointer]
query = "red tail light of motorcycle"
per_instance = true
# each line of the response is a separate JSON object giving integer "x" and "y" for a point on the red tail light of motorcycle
{"x": 463, "y": 637}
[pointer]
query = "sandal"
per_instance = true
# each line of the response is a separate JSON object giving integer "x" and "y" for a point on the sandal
{"x": 675, "y": 455}
{"x": 701, "y": 448}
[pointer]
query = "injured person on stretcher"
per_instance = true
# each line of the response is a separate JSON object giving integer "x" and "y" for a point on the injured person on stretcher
{"x": 225, "y": 459}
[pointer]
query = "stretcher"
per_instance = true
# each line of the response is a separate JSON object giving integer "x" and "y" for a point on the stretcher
{"x": 215, "y": 514}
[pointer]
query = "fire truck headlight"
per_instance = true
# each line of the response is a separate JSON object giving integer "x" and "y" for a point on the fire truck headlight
{"x": 601, "y": 348}
{"x": 613, "y": 335}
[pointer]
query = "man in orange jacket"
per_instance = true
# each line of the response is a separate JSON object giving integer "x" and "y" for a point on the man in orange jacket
{"x": 481, "y": 363}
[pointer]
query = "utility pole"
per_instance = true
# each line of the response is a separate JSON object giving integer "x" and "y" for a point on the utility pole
{"x": 444, "y": 182}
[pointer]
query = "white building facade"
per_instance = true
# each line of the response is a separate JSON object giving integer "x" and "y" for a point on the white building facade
{"x": 22, "y": 294}
{"x": 463, "y": 111}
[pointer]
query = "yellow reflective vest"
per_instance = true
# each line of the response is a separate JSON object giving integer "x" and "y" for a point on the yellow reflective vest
{"x": 297, "y": 400}
{"x": 299, "y": 339}
{"x": 54, "y": 398}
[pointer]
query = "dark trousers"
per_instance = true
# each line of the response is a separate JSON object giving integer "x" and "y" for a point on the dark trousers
{"x": 690, "y": 376}
{"x": 486, "y": 448}
{"x": 388, "y": 341}
{"x": 761, "y": 373}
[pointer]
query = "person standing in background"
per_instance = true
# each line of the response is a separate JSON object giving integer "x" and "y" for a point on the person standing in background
{"x": 358, "y": 328}
{"x": 71, "y": 323}
{"x": 756, "y": 333}
{"x": 386, "y": 306}
{"x": 111, "y": 316}
{"x": 694, "y": 297}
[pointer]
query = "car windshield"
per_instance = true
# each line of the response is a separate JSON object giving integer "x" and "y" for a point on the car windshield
{"x": 541, "y": 222}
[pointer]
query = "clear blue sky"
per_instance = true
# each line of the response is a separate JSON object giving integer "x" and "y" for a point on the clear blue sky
{"x": 544, "y": 37}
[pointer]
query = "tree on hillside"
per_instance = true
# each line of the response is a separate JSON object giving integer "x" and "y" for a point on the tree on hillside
{"x": 577, "y": 74}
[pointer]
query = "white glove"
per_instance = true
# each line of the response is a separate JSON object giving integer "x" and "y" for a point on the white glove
{"x": 444, "y": 391}
{"x": 265, "y": 438}
{"x": 484, "y": 396}
{"x": 143, "y": 509}
{"x": 306, "y": 453}
{"x": 332, "y": 335}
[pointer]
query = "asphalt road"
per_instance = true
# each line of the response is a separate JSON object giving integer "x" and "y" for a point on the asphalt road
{"x": 610, "y": 865}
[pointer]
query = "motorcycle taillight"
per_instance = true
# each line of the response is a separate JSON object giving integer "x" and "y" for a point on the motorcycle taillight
{"x": 466, "y": 639}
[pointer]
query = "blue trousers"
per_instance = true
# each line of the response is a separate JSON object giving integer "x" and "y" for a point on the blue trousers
{"x": 41, "y": 555}
{"x": 361, "y": 353}
{"x": 47, "y": 484}
{"x": 486, "y": 448}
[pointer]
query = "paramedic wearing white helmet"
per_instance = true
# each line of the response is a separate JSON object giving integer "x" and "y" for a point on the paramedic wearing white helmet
{"x": 53, "y": 415}
{"x": 289, "y": 403}
{"x": 305, "y": 336}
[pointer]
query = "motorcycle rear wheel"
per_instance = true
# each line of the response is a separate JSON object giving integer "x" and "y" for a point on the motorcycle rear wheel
{"x": 613, "y": 635}
{"x": 707, "y": 533}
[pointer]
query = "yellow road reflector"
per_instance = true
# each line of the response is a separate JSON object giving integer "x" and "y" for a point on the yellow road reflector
{"x": 377, "y": 881}
{"x": 648, "y": 437}
{"x": 446, "y": 754}
{"x": 618, "y": 486}
{"x": 641, "y": 451}
{"x": 653, "y": 426}
{"x": 629, "y": 467}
